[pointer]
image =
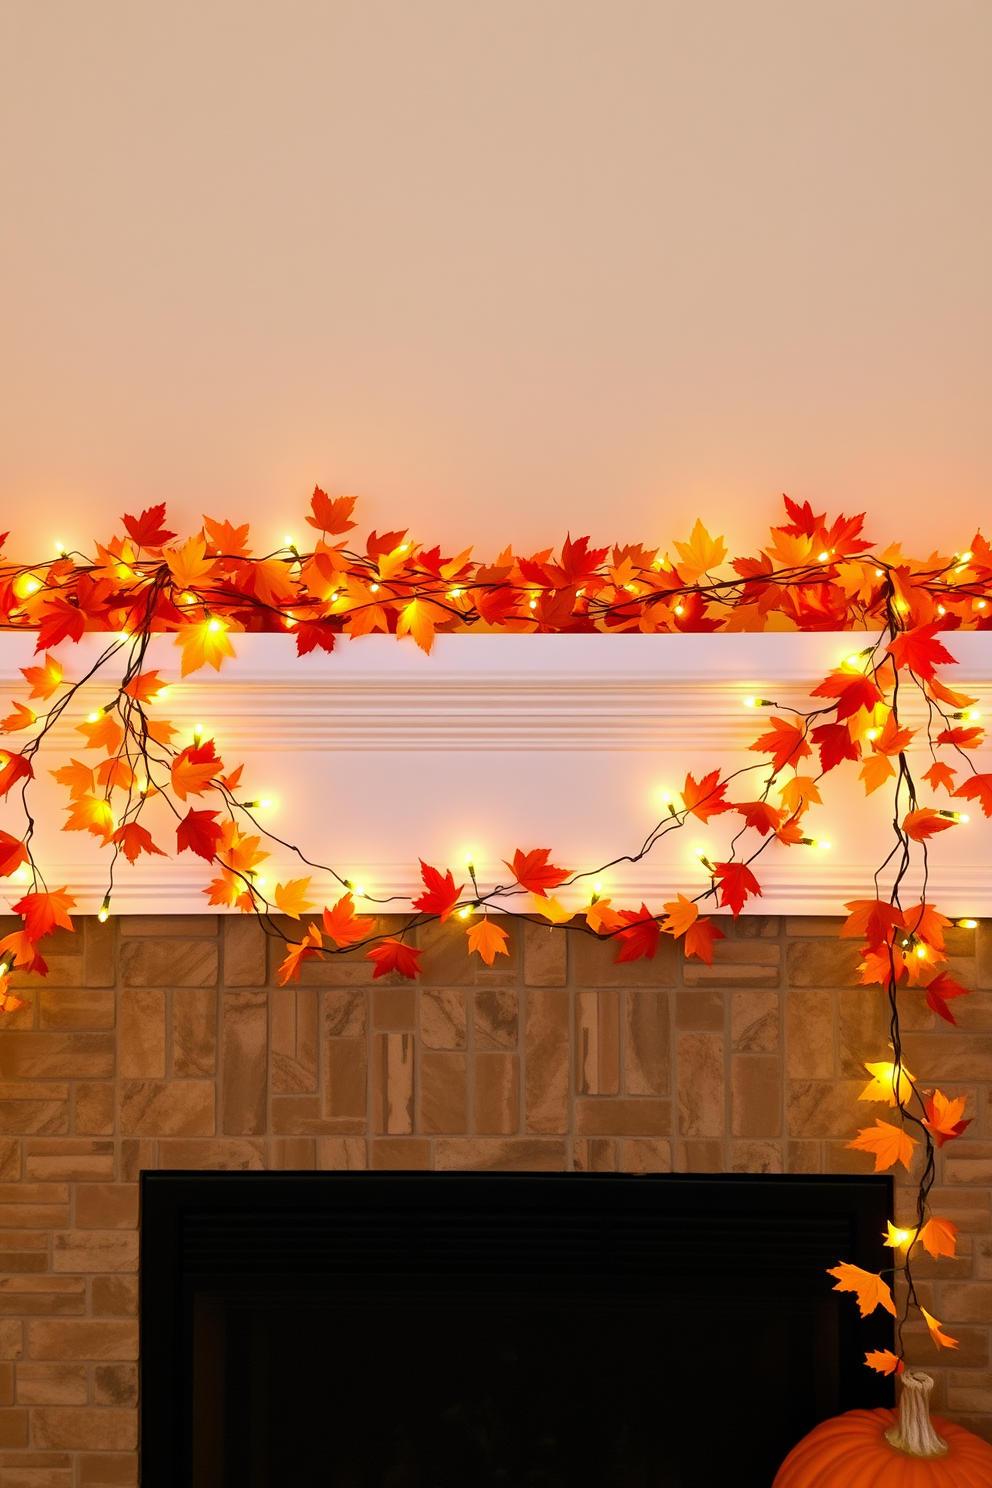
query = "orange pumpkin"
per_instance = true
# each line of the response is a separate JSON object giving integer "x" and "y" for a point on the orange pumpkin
{"x": 889, "y": 1449}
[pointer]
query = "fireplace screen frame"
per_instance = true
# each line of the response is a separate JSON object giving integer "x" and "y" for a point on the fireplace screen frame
{"x": 184, "y": 1214}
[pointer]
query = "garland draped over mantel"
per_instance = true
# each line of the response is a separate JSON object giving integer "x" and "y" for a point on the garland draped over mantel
{"x": 812, "y": 575}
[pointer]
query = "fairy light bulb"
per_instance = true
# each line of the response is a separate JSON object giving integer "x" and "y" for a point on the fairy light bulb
{"x": 597, "y": 888}
{"x": 680, "y": 609}
{"x": 60, "y": 548}
{"x": 373, "y": 588}
{"x": 359, "y": 891}
{"x": 94, "y": 717}
{"x": 896, "y": 1237}
{"x": 533, "y": 604}
{"x": 852, "y": 661}
{"x": 967, "y": 924}
{"x": 873, "y": 733}
{"x": 464, "y": 912}
{"x": 455, "y": 594}
{"x": 197, "y": 733}
{"x": 103, "y": 913}
{"x": 822, "y": 557}
{"x": 215, "y": 625}
{"x": 758, "y": 702}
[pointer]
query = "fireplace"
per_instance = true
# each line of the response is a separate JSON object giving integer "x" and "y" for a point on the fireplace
{"x": 411, "y": 1330}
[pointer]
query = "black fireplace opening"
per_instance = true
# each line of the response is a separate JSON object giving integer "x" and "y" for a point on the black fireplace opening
{"x": 469, "y": 1330}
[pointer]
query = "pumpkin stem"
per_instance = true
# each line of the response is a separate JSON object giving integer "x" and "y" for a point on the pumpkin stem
{"x": 913, "y": 1433}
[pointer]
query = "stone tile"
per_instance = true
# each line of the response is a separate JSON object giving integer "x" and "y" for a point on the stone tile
{"x": 75, "y": 1427}
{"x": 948, "y": 1056}
{"x": 809, "y": 927}
{"x": 99, "y": 953}
{"x": 56, "y": 1056}
{"x": 756, "y": 1157}
{"x": 137, "y": 1156}
{"x": 756, "y": 1095}
{"x": 141, "y": 1051}
{"x": 74, "y": 1007}
{"x": 115, "y": 1296}
{"x": 443, "y": 1092}
{"x": 802, "y": 1157}
{"x": 245, "y": 1046}
{"x": 496, "y": 1018}
{"x": 194, "y": 1031}
{"x": 823, "y": 963}
{"x": 595, "y": 1155}
{"x": 546, "y": 1065}
{"x": 392, "y": 1083}
{"x": 345, "y": 1012}
{"x": 303, "y": 1115}
{"x": 750, "y": 927}
{"x": 244, "y": 952}
{"x": 822, "y": 1108}
{"x": 497, "y": 1094}
{"x": 501, "y": 1154}
{"x": 443, "y": 1019}
{"x": 115, "y": 1384}
{"x": 863, "y": 1022}
{"x": 345, "y": 1081}
{"x": 809, "y": 1035}
{"x": 294, "y": 1038}
{"x": 394, "y": 1008}
{"x": 401, "y": 1153}
{"x": 107, "y": 1206}
{"x": 66, "y": 1160}
{"x": 169, "y": 963}
{"x": 635, "y": 1116}
{"x": 167, "y": 1108}
{"x": 447, "y": 962}
{"x": 76, "y": 1251}
{"x": 167, "y": 925}
{"x": 94, "y": 1109}
{"x": 701, "y": 1011}
{"x": 597, "y": 1043}
{"x": 341, "y": 1153}
{"x": 700, "y": 1084}
{"x": 594, "y": 964}
{"x": 754, "y": 1020}
{"x": 52, "y": 1384}
{"x": 227, "y": 1154}
{"x": 700, "y": 1156}
{"x": 645, "y": 1155}
{"x": 647, "y": 1044}
{"x": 78, "y": 1338}
{"x": 545, "y": 956}
{"x": 106, "y": 1470}
{"x": 293, "y": 1154}
{"x": 34, "y": 1117}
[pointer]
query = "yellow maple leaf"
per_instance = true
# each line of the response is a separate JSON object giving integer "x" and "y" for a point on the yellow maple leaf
{"x": 90, "y": 814}
{"x": 858, "y": 580}
{"x": 701, "y": 553}
{"x": 191, "y": 778}
{"x": 203, "y": 644}
{"x": 418, "y": 619}
{"x": 791, "y": 551}
{"x": 291, "y": 897}
{"x": 681, "y": 914}
{"x": 551, "y": 910}
{"x": 190, "y": 567}
{"x": 889, "y": 1144}
{"x": 870, "y": 1289}
{"x": 798, "y": 793}
{"x": 883, "y": 1084}
{"x": 488, "y": 939}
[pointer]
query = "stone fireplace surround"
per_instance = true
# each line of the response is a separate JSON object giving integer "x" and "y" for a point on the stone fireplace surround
{"x": 165, "y": 1042}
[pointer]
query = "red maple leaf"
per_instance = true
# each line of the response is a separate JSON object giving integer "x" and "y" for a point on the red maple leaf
{"x": 332, "y": 514}
{"x": 699, "y": 939}
{"x": 925, "y": 823}
{"x": 12, "y": 854}
{"x": 804, "y": 522}
{"x": 198, "y": 832}
{"x": 963, "y": 738}
{"x": 42, "y": 912}
{"x": 24, "y": 952}
{"x": 393, "y": 955}
{"x": 577, "y": 561}
{"x": 835, "y": 744}
{"x": 641, "y": 937}
{"x": 875, "y": 919}
{"x": 59, "y": 621}
{"x": 147, "y": 530}
{"x": 940, "y": 774}
{"x": 853, "y": 690}
{"x": 441, "y": 895}
{"x": 133, "y": 839}
{"x": 342, "y": 924}
{"x": 533, "y": 871}
{"x": 704, "y": 798}
{"x": 13, "y": 767}
{"x": 917, "y": 650}
{"x": 737, "y": 883}
{"x": 978, "y": 788}
{"x": 844, "y": 536}
{"x": 760, "y": 815}
{"x": 939, "y": 993}
{"x": 314, "y": 634}
{"x": 785, "y": 742}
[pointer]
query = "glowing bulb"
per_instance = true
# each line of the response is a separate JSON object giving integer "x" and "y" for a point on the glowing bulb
{"x": 680, "y": 609}
{"x": 896, "y": 1237}
{"x": 750, "y": 702}
{"x": 873, "y": 733}
{"x": 265, "y": 803}
{"x": 455, "y": 594}
{"x": 921, "y": 952}
{"x": 122, "y": 635}
{"x": 597, "y": 888}
{"x": 103, "y": 914}
{"x": 968, "y": 924}
{"x": 464, "y": 913}
{"x": 941, "y": 610}
{"x": 60, "y": 549}
{"x": 259, "y": 882}
{"x": 373, "y": 588}
{"x": 980, "y": 605}
{"x": 359, "y": 891}
{"x": 822, "y": 557}
{"x": 214, "y": 625}
{"x": 879, "y": 572}
{"x": 533, "y": 604}
{"x": 163, "y": 692}
{"x": 404, "y": 547}
{"x": 197, "y": 732}
{"x": 22, "y": 875}
{"x": 94, "y": 717}
{"x": 31, "y": 585}
{"x": 973, "y": 715}
{"x": 290, "y": 543}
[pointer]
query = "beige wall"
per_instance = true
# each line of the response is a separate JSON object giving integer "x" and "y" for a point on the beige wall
{"x": 506, "y": 266}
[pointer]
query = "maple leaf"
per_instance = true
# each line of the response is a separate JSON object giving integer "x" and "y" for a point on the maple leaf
{"x": 551, "y": 910}
{"x": 892, "y": 739}
{"x": 871, "y": 1290}
{"x": 90, "y": 814}
{"x": 331, "y": 514}
{"x": 884, "y": 1361}
{"x": 760, "y": 815}
{"x": 835, "y": 744}
{"x": 60, "y": 621}
{"x": 205, "y": 644}
{"x": 942, "y": 1340}
{"x": 926, "y": 923}
{"x": 198, "y": 832}
{"x": 440, "y": 894}
{"x": 938, "y": 1236}
{"x": 291, "y": 898}
{"x": 940, "y": 774}
{"x": 488, "y": 939}
{"x": 194, "y": 769}
{"x": 79, "y": 778}
{"x": 114, "y": 773}
{"x": 145, "y": 687}
{"x": 853, "y": 690}
{"x": 102, "y": 732}
{"x": 890, "y": 1144}
{"x": 229, "y": 540}
{"x": 134, "y": 839}
{"x": 875, "y": 771}
{"x": 298, "y": 952}
{"x": 21, "y": 718}
{"x": 879, "y": 964}
{"x": 704, "y": 798}
{"x": 533, "y": 871}
{"x": 798, "y": 793}
{"x": 875, "y": 919}
{"x": 12, "y": 854}
{"x": 189, "y": 565}
{"x": 13, "y": 767}
{"x": 944, "y": 1117}
{"x": 8, "y": 1002}
{"x": 42, "y": 912}
{"x": 917, "y": 650}
{"x": 24, "y": 952}
{"x": 882, "y": 1086}
{"x": 701, "y": 552}
{"x": 947, "y": 695}
{"x": 961, "y": 738}
{"x": 601, "y": 918}
{"x": 784, "y": 741}
{"x": 343, "y": 926}
{"x": 737, "y": 883}
{"x": 641, "y": 937}
{"x": 924, "y": 823}
{"x": 392, "y": 955}
{"x": 313, "y": 635}
{"x": 939, "y": 993}
{"x": 45, "y": 680}
{"x": 148, "y": 530}
{"x": 681, "y": 914}
{"x": 978, "y": 788}
{"x": 418, "y": 619}
{"x": 699, "y": 940}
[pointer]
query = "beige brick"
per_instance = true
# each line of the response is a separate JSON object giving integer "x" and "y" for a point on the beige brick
{"x": 754, "y": 1020}
{"x": 497, "y": 1094}
{"x": 501, "y": 1154}
{"x": 394, "y": 1009}
{"x": 443, "y": 1092}
{"x": 392, "y": 1083}
{"x": 808, "y": 927}
{"x": 109, "y": 1430}
{"x": 115, "y": 1384}
{"x": 34, "y": 1117}
{"x": 645, "y": 1155}
{"x": 168, "y": 963}
{"x": 821, "y": 1108}
{"x": 99, "y": 952}
{"x": 142, "y": 1035}
{"x": 546, "y": 1072}
{"x": 756, "y": 1095}
{"x": 701, "y": 1091}
{"x": 245, "y": 1063}
{"x": 244, "y": 952}
{"x": 443, "y": 1019}
{"x": 46, "y": 1296}
{"x": 400, "y": 1153}
{"x": 595, "y": 1155}
{"x": 823, "y": 963}
{"x": 10, "y": 1159}
{"x": 809, "y": 1035}
{"x": 115, "y": 1296}
{"x": 11, "y": 1338}
{"x": 167, "y": 1108}
{"x": 635, "y": 1116}
{"x": 107, "y": 1206}
{"x": 51, "y": 1384}
{"x": 345, "y": 1012}
{"x": 701, "y": 1011}
{"x": 107, "y": 1470}
{"x": 647, "y": 1045}
{"x": 983, "y": 954}
{"x": 545, "y": 956}
{"x": 341, "y": 1153}
{"x": 864, "y": 1027}
{"x": 597, "y": 1043}
{"x": 75, "y": 1251}
{"x": 730, "y": 974}
{"x": 972, "y": 1350}
{"x": 496, "y": 1018}
{"x": 293, "y": 1154}
{"x": 79, "y": 1338}
{"x": 56, "y": 1056}
{"x": 594, "y": 963}
{"x": 137, "y": 1157}
{"x": 68, "y": 1161}
{"x": 704, "y": 1156}
{"x": 294, "y": 1016}
{"x": 756, "y": 1157}
{"x": 227, "y": 1154}
{"x": 447, "y": 962}
{"x": 74, "y": 1007}
{"x": 13, "y": 1428}
{"x": 194, "y": 1031}
{"x": 948, "y": 1056}
{"x": 303, "y": 1115}
{"x": 345, "y": 1080}
{"x": 168, "y": 925}
{"x": 94, "y": 1109}
{"x": 966, "y": 1301}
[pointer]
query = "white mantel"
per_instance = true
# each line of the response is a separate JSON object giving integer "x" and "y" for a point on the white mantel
{"x": 379, "y": 754}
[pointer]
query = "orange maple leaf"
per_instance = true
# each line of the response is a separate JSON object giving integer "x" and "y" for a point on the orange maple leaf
{"x": 533, "y": 871}
{"x": 331, "y": 514}
{"x": 785, "y": 742}
{"x": 978, "y": 788}
{"x": 926, "y": 923}
{"x": 21, "y": 718}
{"x": 90, "y": 814}
{"x": 760, "y": 815}
{"x": 798, "y": 793}
{"x": 924, "y": 823}
{"x": 24, "y": 952}
{"x": 699, "y": 940}
{"x": 944, "y": 1117}
{"x": 884, "y": 1361}
{"x": 942, "y": 1340}
{"x": 875, "y": 919}
{"x": 79, "y": 778}
{"x": 102, "y": 732}
{"x": 298, "y": 952}
{"x": 700, "y": 553}
{"x": 44, "y": 680}
{"x": 892, "y": 739}
{"x": 941, "y": 775}
{"x": 204, "y": 644}
{"x": 145, "y": 687}
{"x": 135, "y": 839}
{"x": 704, "y": 798}
{"x": 291, "y": 897}
{"x": 870, "y": 1289}
{"x": 601, "y": 918}
{"x": 114, "y": 773}
{"x": 882, "y": 1086}
{"x": 681, "y": 914}
{"x": 918, "y": 651}
{"x": 889, "y": 1144}
{"x": 194, "y": 769}
{"x": 343, "y": 926}
{"x": 228, "y": 540}
{"x": 488, "y": 939}
{"x": 418, "y": 618}
{"x": 43, "y": 911}
{"x": 13, "y": 767}
{"x": 392, "y": 955}
{"x": 189, "y": 565}
{"x": 875, "y": 771}
{"x": 938, "y": 1237}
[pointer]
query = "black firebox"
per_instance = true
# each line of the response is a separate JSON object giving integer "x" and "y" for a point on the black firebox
{"x": 476, "y": 1330}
